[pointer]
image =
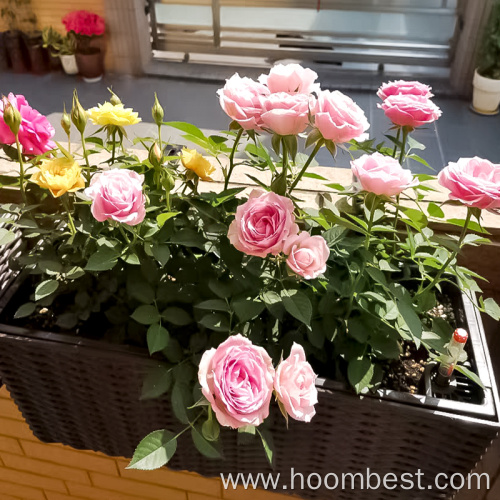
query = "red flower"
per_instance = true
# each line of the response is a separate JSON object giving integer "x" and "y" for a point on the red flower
{"x": 83, "y": 22}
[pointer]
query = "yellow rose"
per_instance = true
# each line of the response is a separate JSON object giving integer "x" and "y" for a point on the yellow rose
{"x": 109, "y": 114}
{"x": 59, "y": 175}
{"x": 194, "y": 161}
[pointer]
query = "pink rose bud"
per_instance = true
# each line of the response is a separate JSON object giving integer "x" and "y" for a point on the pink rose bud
{"x": 241, "y": 99}
{"x": 382, "y": 175}
{"x": 307, "y": 255}
{"x": 339, "y": 118}
{"x": 410, "y": 110}
{"x": 294, "y": 384}
{"x": 473, "y": 181}
{"x": 402, "y": 87}
{"x": 117, "y": 195}
{"x": 35, "y": 132}
{"x": 237, "y": 380}
{"x": 290, "y": 78}
{"x": 262, "y": 224}
{"x": 286, "y": 114}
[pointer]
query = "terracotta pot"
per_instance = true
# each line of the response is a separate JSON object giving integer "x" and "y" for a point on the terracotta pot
{"x": 4, "y": 63}
{"x": 69, "y": 65}
{"x": 15, "y": 51}
{"x": 90, "y": 65}
{"x": 54, "y": 61}
{"x": 37, "y": 54}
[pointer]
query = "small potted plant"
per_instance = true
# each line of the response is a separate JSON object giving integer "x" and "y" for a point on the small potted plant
{"x": 486, "y": 97}
{"x": 11, "y": 13}
{"x": 87, "y": 28}
{"x": 62, "y": 47}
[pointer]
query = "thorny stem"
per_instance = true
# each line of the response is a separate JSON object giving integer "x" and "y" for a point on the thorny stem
{"x": 231, "y": 158}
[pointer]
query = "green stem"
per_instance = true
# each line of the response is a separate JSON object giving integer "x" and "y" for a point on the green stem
{"x": 398, "y": 135}
{"x": 21, "y": 170}
{"x": 451, "y": 257}
{"x": 363, "y": 266}
{"x": 86, "y": 156}
{"x": 124, "y": 234}
{"x": 65, "y": 202}
{"x": 317, "y": 147}
{"x": 159, "y": 139}
{"x": 395, "y": 226}
{"x": 113, "y": 137}
{"x": 231, "y": 157}
{"x": 403, "y": 145}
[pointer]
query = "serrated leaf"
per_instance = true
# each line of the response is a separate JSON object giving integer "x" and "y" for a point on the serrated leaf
{"x": 157, "y": 382}
{"x": 161, "y": 253}
{"x": 491, "y": 308}
{"x": 360, "y": 373}
{"x": 46, "y": 288}
{"x": 203, "y": 446}
{"x": 154, "y": 451}
{"x": 162, "y": 218}
{"x": 157, "y": 338}
{"x": 298, "y": 305}
{"x": 181, "y": 401}
{"x": 146, "y": 315}
{"x": 104, "y": 259}
{"x": 177, "y": 316}
{"x": 6, "y": 236}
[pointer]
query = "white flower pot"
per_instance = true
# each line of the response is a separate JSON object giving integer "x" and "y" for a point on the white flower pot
{"x": 69, "y": 64}
{"x": 486, "y": 97}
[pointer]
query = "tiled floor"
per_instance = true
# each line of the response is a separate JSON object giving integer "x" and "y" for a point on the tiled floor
{"x": 458, "y": 133}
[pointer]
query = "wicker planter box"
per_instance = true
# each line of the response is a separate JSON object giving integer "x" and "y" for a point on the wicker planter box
{"x": 86, "y": 394}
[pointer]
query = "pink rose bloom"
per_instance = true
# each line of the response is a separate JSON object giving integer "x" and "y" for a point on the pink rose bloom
{"x": 262, "y": 224}
{"x": 35, "y": 132}
{"x": 402, "y": 87}
{"x": 286, "y": 114}
{"x": 117, "y": 194}
{"x": 237, "y": 380}
{"x": 339, "y": 118}
{"x": 307, "y": 255}
{"x": 294, "y": 385}
{"x": 382, "y": 175}
{"x": 241, "y": 99}
{"x": 410, "y": 110}
{"x": 473, "y": 181}
{"x": 290, "y": 78}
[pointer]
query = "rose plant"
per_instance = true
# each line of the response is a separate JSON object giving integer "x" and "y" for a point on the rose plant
{"x": 243, "y": 297}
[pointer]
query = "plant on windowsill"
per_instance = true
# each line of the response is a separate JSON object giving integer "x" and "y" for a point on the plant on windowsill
{"x": 63, "y": 47}
{"x": 244, "y": 297}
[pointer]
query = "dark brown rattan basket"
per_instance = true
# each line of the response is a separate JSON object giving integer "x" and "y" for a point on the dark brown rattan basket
{"x": 85, "y": 394}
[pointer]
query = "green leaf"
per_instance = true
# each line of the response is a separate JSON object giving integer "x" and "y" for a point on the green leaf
{"x": 142, "y": 291}
{"x": 75, "y": 273}
{"x": 67, "y": 320}
{"x": 181, "y": 400}
{"x": 416, "y": 216}
{"x": 210, "y": 429}
{"x": 413, "y": 144}
{"x": 46, "y": 288}
{"x": 188, "y": 238}
{"x": 162, "y": 218}
{"x": 25, "y": 310}
{"x": 357, "y": 329}
{"x": 435, "y": 210}
{"x": 335, "y": 186}
{"x": 158, "y": 338}
{"x": 474, "y": 226}
{"x": 334, "y": 235}
{"x": 161, "y": 253}
{"x": 491, "y": 308}
{"x": 213, "y": 305}
{"x": 218, "y": 322}
{"x": 6, "y": 236}
{"x": 188, "y": 128}
{"x": 360, "y": 373}
{"x": 154, "y": 451}
{"x": 157, "y": 382}
{"x": 104, "y": 259}
{"x": 146, "y": 315}
{"x": 267, "y": 442}
{"x": 298, "y": 305}
{"x": 203, "y": 446}
{"x": 465, "y": 371}
{"x": 177, "y": 316}
{"x": 247, "y": 308}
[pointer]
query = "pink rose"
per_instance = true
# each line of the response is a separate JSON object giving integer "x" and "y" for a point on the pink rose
{"x": 339, "y": 118}
{"x": 237, "y": 380}
{"x": 473, "y": 181}
{"x": 382, "y": 175}
{"x": 241, "y": 99}
{"x": 84, "y": 22}
{"x": 307, "y": 255}
{"x": 402, "y": 87}
{"x": 286, "y": 114}
{"x": 410, "y": 110}
{"x": 290, "y": 78}
{"x": 262, "y": 224}
{"x": 294, "y": 385}
{"x": 117, "y": 194}
{"x": 35, "y": 132}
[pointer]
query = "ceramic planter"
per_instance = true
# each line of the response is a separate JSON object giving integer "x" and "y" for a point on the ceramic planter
{"x": 69, "y": 64}
{"x": 486, "y": 97}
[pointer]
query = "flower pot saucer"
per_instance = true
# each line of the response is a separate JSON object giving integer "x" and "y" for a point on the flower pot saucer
{"x": 92, "y": 80}
{"x": 484, "y": 113}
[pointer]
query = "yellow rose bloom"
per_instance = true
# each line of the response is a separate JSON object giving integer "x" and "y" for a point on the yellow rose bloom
{"x": 109, "y": 114}
{"x": 194, "y": 161}
{"x": 59, "y": 175}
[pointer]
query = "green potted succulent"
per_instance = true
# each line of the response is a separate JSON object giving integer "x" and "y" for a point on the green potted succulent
{"x": 486, "y": 97}
{"x": 62, "y": 47}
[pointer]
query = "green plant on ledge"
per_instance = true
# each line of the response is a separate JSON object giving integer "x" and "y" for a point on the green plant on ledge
{"x": 489, "y": 50}
{"x": 60, "y": 45}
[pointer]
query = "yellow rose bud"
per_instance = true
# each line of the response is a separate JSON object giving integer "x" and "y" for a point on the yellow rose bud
{"x": 157, "y": 112}
{"x": 194, "y": 161}
{"x": 117, "y": 115}
{"x": 66, "y": 122}
{"x": 59, "y": 175}
{"x": 78, "y": 114}
{"x": 114, "y": 100}
{"x": 11, "y": 116}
